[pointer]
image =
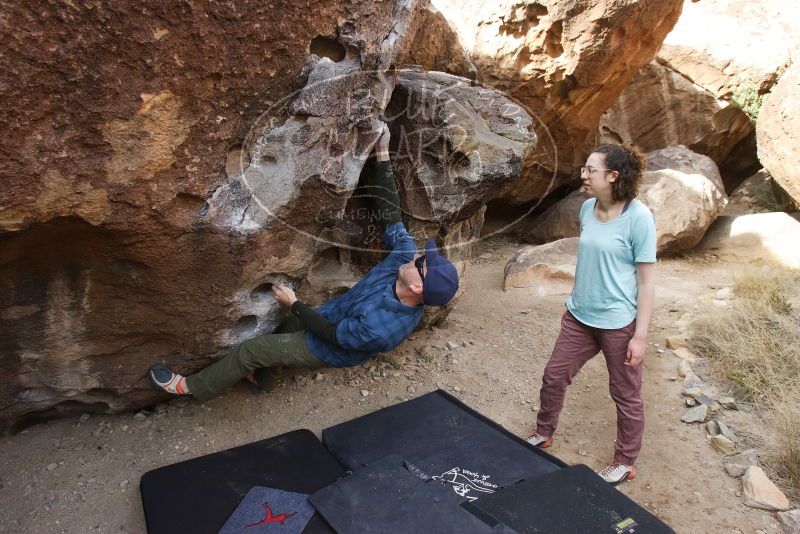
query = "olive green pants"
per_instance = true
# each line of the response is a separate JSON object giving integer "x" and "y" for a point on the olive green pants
{"x": 285, "y": 347}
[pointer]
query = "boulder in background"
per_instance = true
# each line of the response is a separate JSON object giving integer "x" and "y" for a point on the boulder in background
{"x": 660, "y": 108}
{"x": 778, "y": 129}
{"x": 682, "y": 189}
{"x": 564, "y": 61}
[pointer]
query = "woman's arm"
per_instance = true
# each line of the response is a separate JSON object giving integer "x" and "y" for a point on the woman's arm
{"x": 645, "y": 302}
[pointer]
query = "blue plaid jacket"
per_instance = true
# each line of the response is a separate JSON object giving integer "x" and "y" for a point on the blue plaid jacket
{"x": 371, "y": 319}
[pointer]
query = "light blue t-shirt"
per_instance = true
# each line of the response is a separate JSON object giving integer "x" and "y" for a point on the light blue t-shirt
{"x": 605, "y": 278}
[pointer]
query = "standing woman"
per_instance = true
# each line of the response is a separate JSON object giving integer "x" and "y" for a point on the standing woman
{"x": 610, "y": 305}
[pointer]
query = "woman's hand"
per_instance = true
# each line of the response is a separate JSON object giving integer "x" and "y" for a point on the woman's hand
{"x": 284, "y": 295}
{"x": 636, "y": 348}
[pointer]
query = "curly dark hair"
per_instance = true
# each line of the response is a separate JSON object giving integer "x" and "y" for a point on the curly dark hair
{"x": 630, "y": 163}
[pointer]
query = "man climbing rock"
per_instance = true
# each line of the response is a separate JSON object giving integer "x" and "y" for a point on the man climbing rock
{"x": 374, "y": 316}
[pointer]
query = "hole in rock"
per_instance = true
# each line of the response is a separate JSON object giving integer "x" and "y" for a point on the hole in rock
{"x": 459, "y": 160}
{"x": 553, "y": 44}
{"x": 503, "y": 218}
{"x": 245, "y": 326}
{"x": 189, "y": 205}
{"x": 331, "y": 254}
{"x": 327, "y": 47}
{"x": 262, "y": 290}
{"x": 237, "y": 160}
{"x": 266, "y": 158}
{"x": 534, "y": 11}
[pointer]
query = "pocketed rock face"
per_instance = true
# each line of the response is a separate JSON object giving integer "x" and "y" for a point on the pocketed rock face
{"x": 778, "y": 129}
{"x": 661, "y": 107}
{"x": 122, "y": 240}
{"x": 565, "y": 61}
{"x": 682, "y": 189}
{"x": 454, "y": 146}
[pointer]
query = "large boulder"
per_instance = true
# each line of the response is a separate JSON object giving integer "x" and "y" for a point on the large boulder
{"x": 140, "y": 222}
{"x": 778, "y": 130}
{"x": 683, "y": 189}
{"x": 162, "y": 167}
{"x": 661, "y": 107}
{"x": 564, "y": 61}
{"x": 712, "y": 48}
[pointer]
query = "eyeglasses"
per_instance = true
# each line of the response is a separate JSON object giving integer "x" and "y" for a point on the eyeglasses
{"x": 591, "y": 170}
{"x": 418, "y": 264}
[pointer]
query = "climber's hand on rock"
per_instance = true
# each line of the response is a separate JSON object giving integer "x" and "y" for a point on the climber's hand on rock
{"x": 284, "y": 295}
{"x": 382, "y": 146}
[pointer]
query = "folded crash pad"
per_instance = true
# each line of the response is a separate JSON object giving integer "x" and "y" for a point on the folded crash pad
{"x": 574, "y": 500}
{"x": 445, "y": 438}
{"x": 199, "y": 495}
{"x": 386, "y": 498}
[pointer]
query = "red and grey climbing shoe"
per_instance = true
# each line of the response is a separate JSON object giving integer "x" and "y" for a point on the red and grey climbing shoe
{"x": 170, "y": 382}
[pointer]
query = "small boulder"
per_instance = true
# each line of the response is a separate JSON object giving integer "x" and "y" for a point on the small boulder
{"x": 736, "y": 466}
{"x": 677, "y": 342}
{"x": 708, "y": 401}
{"x": 760, "y": 492}
{"x": 712, "y": 428}
{"x": 756, "y": 237}
{"x": 723, "y": 444}
{"x": 685, "y": 368}
{"x": 695, "y": 392}
{"x": 727, "y": 432}
{"x": 549, "y": 268}
{"x": 790, "y": 521}
{"x": 697, "y": 414}
{"x": 692, "y": 386}
{"x": 729, "y": 403}
{"x": 684, "y": 354}
{"x": 692, "y": 380}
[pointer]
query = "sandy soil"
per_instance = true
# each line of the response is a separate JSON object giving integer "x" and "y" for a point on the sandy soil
{"x": 82, "y": 475}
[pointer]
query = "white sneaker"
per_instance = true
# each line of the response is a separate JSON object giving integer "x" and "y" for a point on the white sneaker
{"x": 540, "y": 441}
{"x": 615, "y": 473}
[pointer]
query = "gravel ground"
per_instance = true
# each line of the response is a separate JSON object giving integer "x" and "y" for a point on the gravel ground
{"x": 81, "y": 474}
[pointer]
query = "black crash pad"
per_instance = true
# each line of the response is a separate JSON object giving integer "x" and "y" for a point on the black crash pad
{"x": 385, "y": 498}
{"x": 445, "y": 438}
{"x": 574, "y": 500}
{"x": 199, "y": 495}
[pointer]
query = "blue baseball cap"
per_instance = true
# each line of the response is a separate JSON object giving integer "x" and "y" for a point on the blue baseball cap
{"x": 441, "y": 278}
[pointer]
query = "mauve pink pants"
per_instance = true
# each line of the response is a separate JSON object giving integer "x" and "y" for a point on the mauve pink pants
{"x": 577, "y": 344}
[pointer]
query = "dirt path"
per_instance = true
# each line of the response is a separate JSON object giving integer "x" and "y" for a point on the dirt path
{"x": 82, "y": 476}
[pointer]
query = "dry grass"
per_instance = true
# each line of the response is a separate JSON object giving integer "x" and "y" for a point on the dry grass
{"x": 755, "y": 342}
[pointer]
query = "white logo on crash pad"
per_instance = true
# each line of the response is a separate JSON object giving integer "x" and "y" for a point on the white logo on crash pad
{"x": 466, "y": 483}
